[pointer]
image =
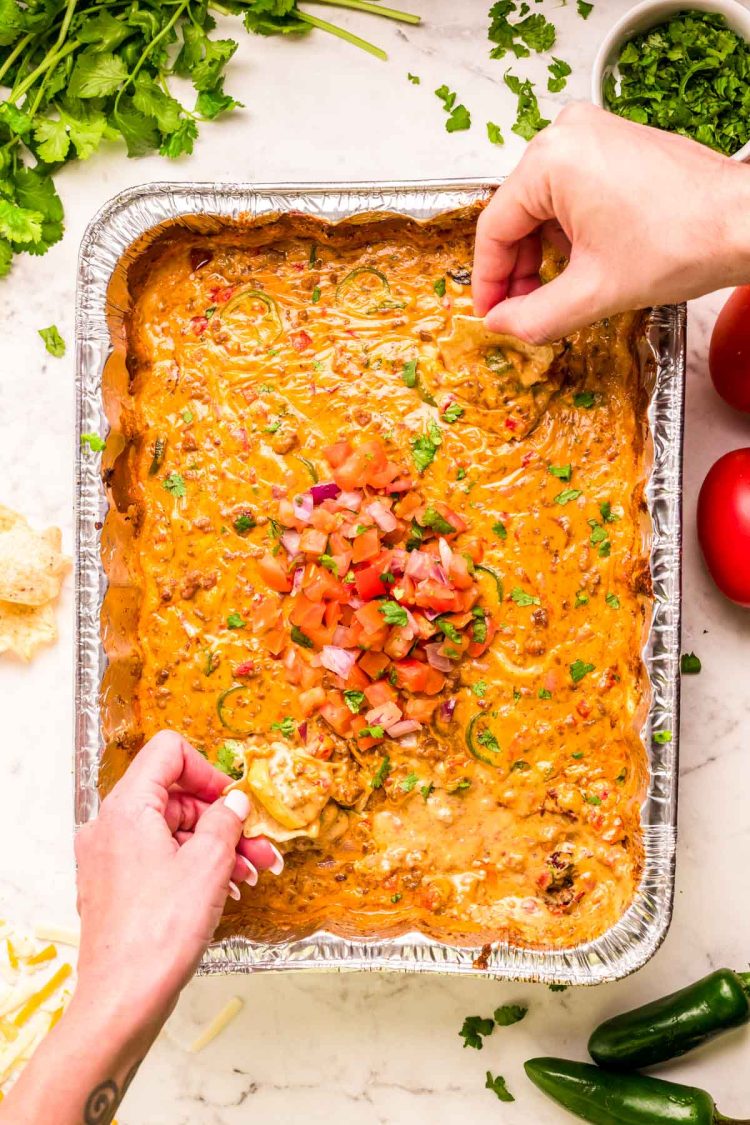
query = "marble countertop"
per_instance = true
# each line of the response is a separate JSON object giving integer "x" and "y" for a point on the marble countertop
{"x": 362, "y": 1049}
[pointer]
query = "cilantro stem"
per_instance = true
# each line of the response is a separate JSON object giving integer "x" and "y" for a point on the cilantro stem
{"x": 341, "y": 33}
{"x": 157, "y": 39}
{"x": 376, "y": 9}
{"x": 20, "y": 46}
{"x": 49, "y": 60}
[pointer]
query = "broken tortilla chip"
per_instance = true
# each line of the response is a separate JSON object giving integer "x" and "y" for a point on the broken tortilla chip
{"x": 25, "y": 628}
{"x": 471, "y": 341}
{"x": 32, "y": 569}
{"x": 32, "y": 566}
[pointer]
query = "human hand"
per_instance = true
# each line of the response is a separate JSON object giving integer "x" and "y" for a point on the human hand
{"x": 646, "y": 217}
{"x": 154, "y": 871}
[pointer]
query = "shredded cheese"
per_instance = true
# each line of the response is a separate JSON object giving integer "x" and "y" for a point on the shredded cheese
{"x": 63, "y": 935}
{"x": 217, "y": 1024}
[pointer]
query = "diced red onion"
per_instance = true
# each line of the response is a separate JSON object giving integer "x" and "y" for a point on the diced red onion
{"x": 437, "y": 572}
{"x": 290, "y": 541}
{"x": 328, "y": 491}
{"x": 447, "y": 707}
{"x": 385, "y": 520}
{"x": 302, "y": 731}
{"x": 399, "y": 559}
{"x": 419, "y": 565}
{"x": 431, "y": 614}
{"x": 350, "y": 500}
{"x": 446, "y": 555}
{"x": 337, "y": 660}
{"x": 340, "y": 636}
{"x": 407, "y": 726}
{"x": 436, "y": 658}
{"x": 297, "y": 580}
{"x": 303, "y": 507}
{"x": 384, "y": 715}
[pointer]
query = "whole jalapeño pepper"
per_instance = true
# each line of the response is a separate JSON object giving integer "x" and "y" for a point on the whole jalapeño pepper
{"x": 673, "y": 1025}
{"x": 605, "y": 1098}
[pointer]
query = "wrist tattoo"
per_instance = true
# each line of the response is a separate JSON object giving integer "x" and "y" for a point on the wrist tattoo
{"x": 102, "y": 1102}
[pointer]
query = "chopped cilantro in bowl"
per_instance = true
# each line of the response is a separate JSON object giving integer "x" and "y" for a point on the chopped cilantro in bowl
{"x": 685, "y": 70}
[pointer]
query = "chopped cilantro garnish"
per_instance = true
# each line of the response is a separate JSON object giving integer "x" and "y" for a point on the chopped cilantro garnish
{"x": 209, "y": 312}
{"x": 582, "y": 597}
{"x": 688, "y": 75}
{"x": 226, "y": 758}
{"x": 494, "y": 134}
{"x": 487, "y": 738}
{"x": 95, "y": 443}
{"x": 244, "y": 523}
{"x": 562, "y": 472}
{"x": 509, "y": 1014}
{"x": 532, "y": 32}
{"x": 607, "y": 514}
{"x": 460, "y": 474}
{"x": 234, "y": 621}
{"x": 315, "y": 297}
{"x": 409, "y": 783}
{"x": 453, "y": 412}
{"x": 605, "y": 549}
{"x": 273, "y": 427}
{"x": 585, "y": 399}
{"x": 396, "y": 897}
{"x": 598, "y": 533}
{"x": 385, "y": 766}
{"x": 584, "y": 8}
{"x": 558, "y": 75}
{"x": 393, "y": 613}
{"x": 612, "y": 601}
{"x": 426, "y": 790}
{"x": 500, "y": 530}
{"x": 458, "y": 118}
{"x": 498, "y": 1087}
{"x": 579, "y": 669}
{"x": 520, "y": 597}
{"x": 479, "y": 626}
{"x": 473, "y": 1029}
{"x": 529, "y": 120}
{"x": 448, "y": 629}
{"x": 387, "y": 578}
{"x": 690, "y": 664}
{"x": 592, "y": 799}
{"x": 577, "y": 754}
{"x": 354, "y": 701}
{"x": 436, "y": 522}
{"x": 175, "y": 483}
{"x": 479, "y": 689}
{"x": 544, "y": 693}
{"x": 300, "y": 638}
{"x": 287, "y": 726}
{"x": 53, "y": 341}
{"x": 414, "y": 79}
{"x": 439, "y": 286}
{"x": 187, "y": 416}
{"x": 662, "y": 736}
{"x": 329, "y": 563}
{"x": 567, "y": 495}
{"x": 424, "y": 448}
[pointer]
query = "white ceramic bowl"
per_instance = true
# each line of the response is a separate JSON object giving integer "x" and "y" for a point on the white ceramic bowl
{"x": 650, "y": 13}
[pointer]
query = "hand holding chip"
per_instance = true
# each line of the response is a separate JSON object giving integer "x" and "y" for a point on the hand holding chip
{"x": 580, "y": 185}
{"x": 154, "y": 871}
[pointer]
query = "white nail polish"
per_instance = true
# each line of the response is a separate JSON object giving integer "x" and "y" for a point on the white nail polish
{"x": 278, "y": 864}
{"x": 238, "y": 803}
{"x": 252, "y": 873}
{"x": 234, "y": 891}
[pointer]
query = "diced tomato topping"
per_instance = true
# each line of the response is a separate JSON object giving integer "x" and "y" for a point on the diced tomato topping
{"x": 369, "y": 583}
{"x": 306, "y": 614}
{"x": 399, "y": 643}
{"x": 432, "y": 594}
{"x": 337, "y": 714}
{"x": 300, "y": 340}
{"x": 380, "y": 691}
{"x": 336, "y": 454}
{"x": 420, "y": 709}
{"x": 313, "y": 542}
{"x": 247, "y": 668}
{"x": 275, "y": 641}
{"x": 199, "y": 324}
{"x": 459, "y": 572}
{"x": 366, "y": 546}
{"x": 370, "y": 617}
{"x": 311, "y": 700}
{"x": 274, "y": 574}
{"x": 375, "y": 664}
{"x": 323, "y": 520}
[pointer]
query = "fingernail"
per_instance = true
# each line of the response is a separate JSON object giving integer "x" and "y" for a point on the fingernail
{"x": 238, "y": 803}
{"x": 278, "y": 864}
{"x": 234, "y": 891}
{"x": 252, "y": 874}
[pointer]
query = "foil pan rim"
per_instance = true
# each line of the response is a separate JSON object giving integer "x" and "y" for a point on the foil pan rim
{"x": 636, "y": 936}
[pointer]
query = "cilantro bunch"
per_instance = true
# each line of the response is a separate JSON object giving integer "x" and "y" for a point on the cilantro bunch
{"x": 690, "y": 76}
{"x": 78, "y": 75}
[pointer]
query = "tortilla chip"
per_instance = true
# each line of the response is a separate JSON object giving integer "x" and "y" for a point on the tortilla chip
{"x": 471, "y": 341}
{"x": 32, "y": 566}
{"x": 23, "y": 629}
{"x": 287, "y": 790}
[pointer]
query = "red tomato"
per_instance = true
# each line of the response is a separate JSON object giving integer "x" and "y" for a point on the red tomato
{"x": 724, "y": 524}
{"x": 729, "y": 355}
{"x": 369, "y": 583}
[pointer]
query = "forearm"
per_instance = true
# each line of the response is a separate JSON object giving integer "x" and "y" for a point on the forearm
{"x": 80, "y": 1072}
{"x": 735, "y": 226}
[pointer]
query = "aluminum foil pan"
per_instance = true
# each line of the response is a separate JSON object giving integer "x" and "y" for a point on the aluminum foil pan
{"x": 637, "y": 935}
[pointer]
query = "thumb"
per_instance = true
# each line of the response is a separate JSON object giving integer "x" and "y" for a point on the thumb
{"x": 552, "y": 311}
{"x": 210, "y": 855}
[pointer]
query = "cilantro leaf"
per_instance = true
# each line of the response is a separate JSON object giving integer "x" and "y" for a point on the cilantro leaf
{"x": 586, "y": 399}
{"x": 393, "y": 613}
{"x": 53, "y": 341}
{"x": 498, "y": 1087}
{"x": 521, "y": 598}
{"x": 287, "y": 726}
{"x": 584, "y": 9}
{"x": 408, "y": 783}
{"x": 562, "y": 472}
{"x": 558, "y": 71}
{"x": 96, "y": 74}
{"x": 529, "y": 120}
{"x": 95, "y": 443}
{"x": 175, "y": 483}
{"x": 414, "y": 79}
{"x": 226, "y": 758}
{"x": 453, "y": 412}
{"x": 385, "y": 766}
{"x": 479, "y": 689}
{"x": 354, "y": 701}
{"x": 244, "y": 523}
{"x": 458, "y": 119}
{"x": 494, "y": 134}
{"x": 579, "y": 669}
{"x": 300, "y": 638}
{"x": 409, "y": 373}
{"x": 509, "y": 1014}
{"x": 690, "y": 664}
{"x": 473, "y": 1030}
{"x": 567, "y": 495}
{"x": 500, "y": 530}
{"x": 235, "y": 621}
{"x": 662, "y": 737}
{"x": 432, "y": 519}
{"x": 424, "y": 447}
